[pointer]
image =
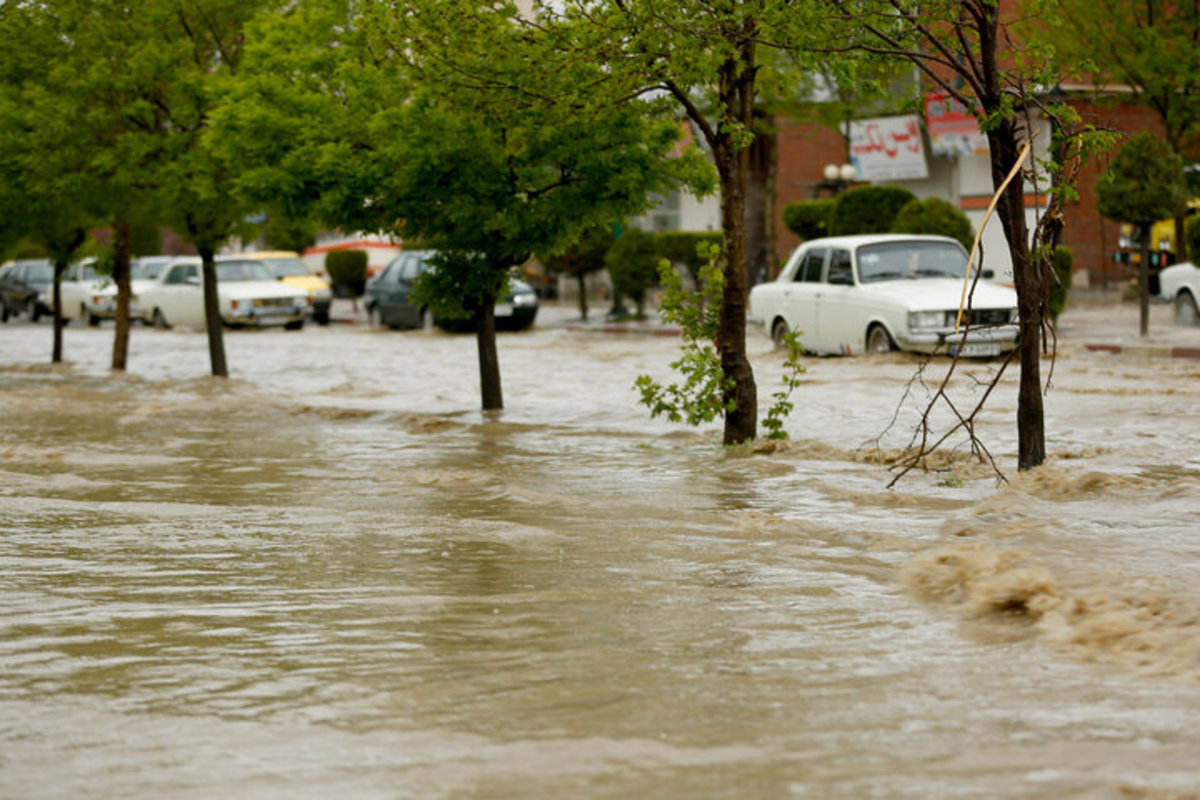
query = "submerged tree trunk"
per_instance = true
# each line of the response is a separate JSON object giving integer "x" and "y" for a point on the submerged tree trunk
{"x": 731, "y": 156}
{"x": 1031, "y": 433}
{"x": 121, "y": 277}
{"x": 212, "y": 314}
{"x": 583, "y": 306}
{"x": 56, "y": 353}
{"x": 489, "y": 361}
{"x": 1144, "y": 283}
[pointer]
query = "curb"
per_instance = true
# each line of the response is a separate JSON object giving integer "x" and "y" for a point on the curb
{"x": 633, "y": 329}
{"x": 1145, "y": 350}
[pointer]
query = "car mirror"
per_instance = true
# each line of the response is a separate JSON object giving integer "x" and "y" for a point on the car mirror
{"x": 988, "y": 274}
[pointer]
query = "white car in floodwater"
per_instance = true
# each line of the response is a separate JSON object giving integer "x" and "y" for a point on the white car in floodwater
{"x": 247, "y": 293}
{"x": 92, "y": 297}
{"x": 875, "y": 293}
{"x": 1180, "y": 284}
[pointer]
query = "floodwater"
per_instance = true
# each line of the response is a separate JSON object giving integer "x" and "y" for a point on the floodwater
{"x": 332, "y": 576}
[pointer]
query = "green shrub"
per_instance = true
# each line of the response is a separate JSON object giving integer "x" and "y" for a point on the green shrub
{"x": 936, "y": 216}
{"x": 868, "y": 209}
{"x": 632, "y": 263}
{"x": 1060, "y": 282}
{"x": 347, "y": 271}
{"x": 684, "y": 248}
{"x": 809, "y": 219}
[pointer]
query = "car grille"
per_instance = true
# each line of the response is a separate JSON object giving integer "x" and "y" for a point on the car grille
{"x": 274, "y": 302}
{"x": 981, "y": 316}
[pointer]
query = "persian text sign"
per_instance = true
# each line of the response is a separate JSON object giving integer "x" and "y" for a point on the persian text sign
{"x": 888, "y": 149}
{"x": 953, "y": 129}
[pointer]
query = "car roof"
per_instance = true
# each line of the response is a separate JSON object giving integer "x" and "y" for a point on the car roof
{"x": 858, "y": 240}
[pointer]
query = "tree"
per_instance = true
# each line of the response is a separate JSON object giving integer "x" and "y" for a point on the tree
{"x": 934, "y": 215}
{"x": 1150, "y": 46}
{"x": 47, "y": 193}
{"x": 584, "y": 257}
{"x": 703, "y": 55}
{"x": 394, "y": 143}
{"x": 962, "y": 47}
{"x": 1144, "y": 184}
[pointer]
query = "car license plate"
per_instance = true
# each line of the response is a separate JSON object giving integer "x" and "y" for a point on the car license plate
{"x": 504, "y": 309}
{"x": 977, "y": 350}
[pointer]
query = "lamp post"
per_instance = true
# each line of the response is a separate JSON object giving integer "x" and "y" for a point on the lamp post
{"x": 839, "y": 177}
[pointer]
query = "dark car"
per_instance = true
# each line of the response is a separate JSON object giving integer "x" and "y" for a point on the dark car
{"x": 25, "y": 287}
{"x": 387, "y": 298}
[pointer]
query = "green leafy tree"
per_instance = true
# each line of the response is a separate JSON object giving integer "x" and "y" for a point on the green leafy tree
{"x": 1152, "y": 47}
{"x": 706, "y": 57}
{"x": 47, "y": 194}
{"x": 392, "y": 143}
{"x": 583, "y": 258}
{"x": 1144, "y": 184}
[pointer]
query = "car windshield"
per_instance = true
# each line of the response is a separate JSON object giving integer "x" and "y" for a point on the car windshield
{"x": 891, "y": 261}
{"x": 242, "y": 271}
{"x": 40, "y": 273}
{"x": 150, "y": 268}
{"x": 286, "y": 267}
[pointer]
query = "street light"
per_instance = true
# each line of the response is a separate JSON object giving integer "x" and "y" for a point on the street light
{"x": 839, "y": 176}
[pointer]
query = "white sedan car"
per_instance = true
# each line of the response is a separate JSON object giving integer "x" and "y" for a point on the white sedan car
{"x": 1180, "y": 284}
{"x": 92, "y": 297}
{"x": 880, "y": 292}
{"x": 247, "y": 293}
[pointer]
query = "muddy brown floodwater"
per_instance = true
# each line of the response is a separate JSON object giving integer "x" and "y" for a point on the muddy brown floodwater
{"x": 332, "y": 576}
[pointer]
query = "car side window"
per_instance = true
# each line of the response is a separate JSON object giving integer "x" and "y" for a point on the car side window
{"x": 840, "y": 270}
{"x": 411, "y": 268}
{"x": 810, "y": 269}
{"x": 176, "y": 275}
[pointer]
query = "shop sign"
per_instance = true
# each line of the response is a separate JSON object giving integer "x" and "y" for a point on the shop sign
{"x": 888, "y": 149}
{"x": 953, "y": 130}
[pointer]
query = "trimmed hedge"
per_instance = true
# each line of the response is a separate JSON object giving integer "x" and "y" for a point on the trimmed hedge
{"x": 868, "y": 209}
{"x": 934, "y": 215}
{"x": 632, "y": 263}
{"x": 680, "y": 247}
{"x": 1060, "y": 283}
{"x": 809, "y": 219}
{"x": 347, "y": 271}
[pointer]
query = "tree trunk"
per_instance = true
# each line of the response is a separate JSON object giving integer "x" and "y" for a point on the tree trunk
{"x": 60, "y": 267}
{"x": 121, "y": 256}
{"x": 583, "y": 306}
{"x": 736, "y": 99}
{"x": 1181, "y": 248}
{"x": 1144, "y": 283}
{"x": 1031, "y": 431}
{"x": 212, "y": 314}
{"x": 489, "y": 362}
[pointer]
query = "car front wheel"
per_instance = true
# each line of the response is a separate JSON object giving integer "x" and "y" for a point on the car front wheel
{"x": 1186, "y": 312}
{"x": 879, "y": 340}
{"x": 31, "y": 306}
{"x": 779, "y": 332}
{"x": 160, "y": 320}
{"x": 373, "y": 316}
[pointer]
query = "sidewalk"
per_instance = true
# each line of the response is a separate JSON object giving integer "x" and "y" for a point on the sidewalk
{"x": 1109, "y": 324}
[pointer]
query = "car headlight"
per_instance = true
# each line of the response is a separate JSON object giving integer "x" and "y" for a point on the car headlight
{"x": 919, "y": 320}
{"x": 524, "y": 299}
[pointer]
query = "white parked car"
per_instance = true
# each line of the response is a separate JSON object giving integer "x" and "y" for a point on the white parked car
{"x": 92, "y": 297}
{"x": 1180, "y": 284}
{"x": 874, "y": 293}
{"x": 247, "y": 294}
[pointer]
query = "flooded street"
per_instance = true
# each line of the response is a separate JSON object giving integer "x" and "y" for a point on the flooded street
{"x": 333, "y": 576}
